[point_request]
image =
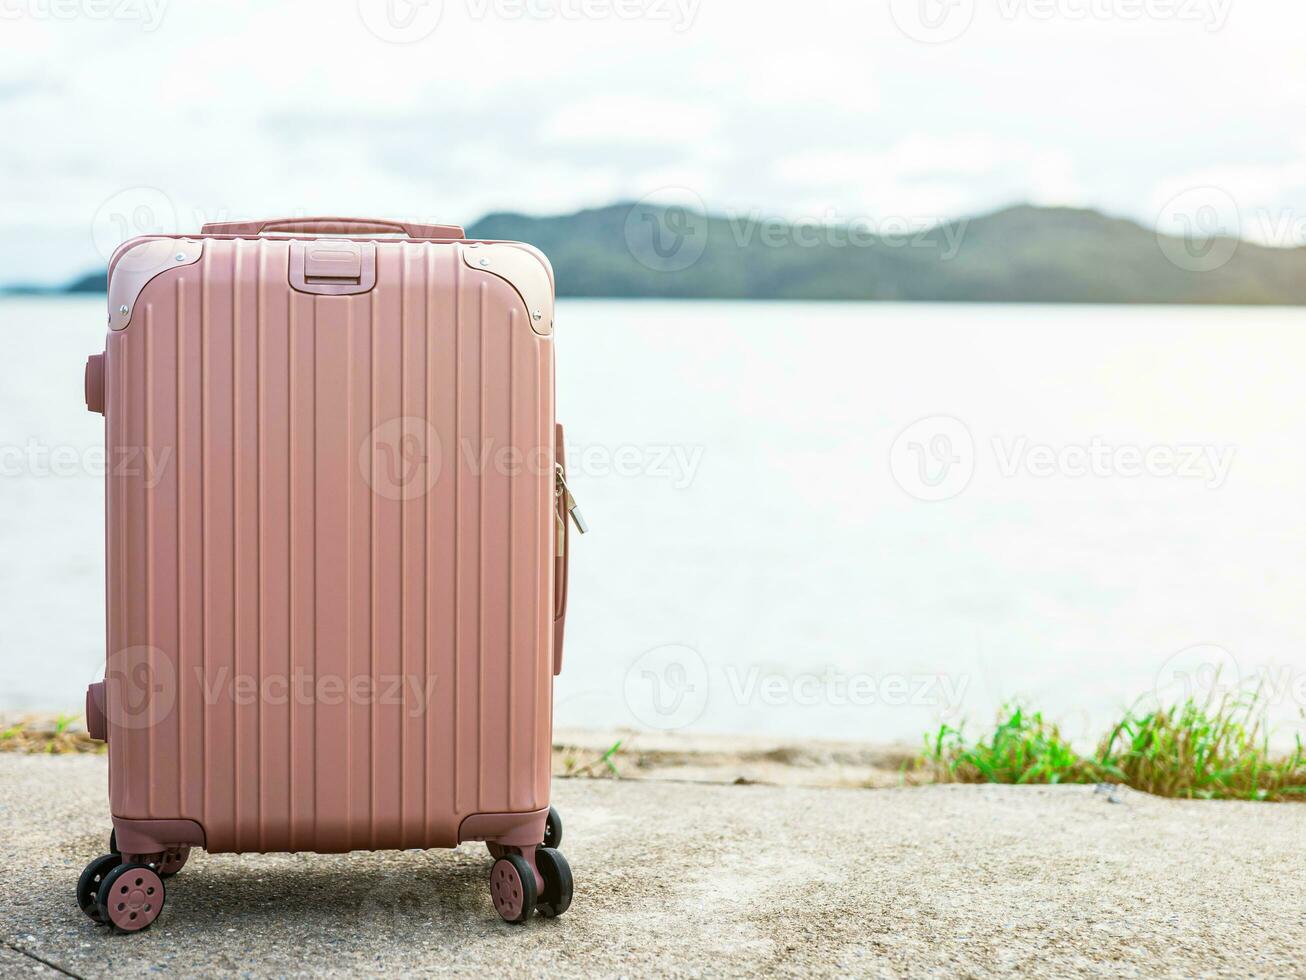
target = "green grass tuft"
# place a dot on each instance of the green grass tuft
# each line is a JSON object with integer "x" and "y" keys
{"x": 56, "y": 736}
{"x": 604, "y": 762}
{"x": 1214, "y": 751}
{"x": 1023, "y": 748}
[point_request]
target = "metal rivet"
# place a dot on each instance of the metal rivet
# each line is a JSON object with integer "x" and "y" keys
{"x": 537, "y": 316}
{"x": 124, "y": 310}
{"x": 180, "y": 256}
{"x": 485, "y": 261}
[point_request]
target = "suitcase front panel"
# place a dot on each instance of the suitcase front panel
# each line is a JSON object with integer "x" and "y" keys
{"x": 330, "y": 569}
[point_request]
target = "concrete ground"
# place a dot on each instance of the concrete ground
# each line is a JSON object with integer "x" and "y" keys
{"x": 682, "y": 879}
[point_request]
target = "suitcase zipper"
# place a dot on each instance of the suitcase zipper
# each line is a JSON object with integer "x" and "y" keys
{"x": 563, "y": 492}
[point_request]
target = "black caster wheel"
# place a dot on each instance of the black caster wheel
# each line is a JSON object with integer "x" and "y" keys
{"x": 174, "y": 861}
{"x": 88, "y": 885}
{"x": 553, "y": 828}
{"x": 131, "y": 897}
{"x": 512, "y": 887}
{"x": 556, "y": 873}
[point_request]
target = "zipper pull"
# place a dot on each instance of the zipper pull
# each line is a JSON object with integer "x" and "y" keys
{"x": 569, "y": 503}
{"x": 559, "y": 518}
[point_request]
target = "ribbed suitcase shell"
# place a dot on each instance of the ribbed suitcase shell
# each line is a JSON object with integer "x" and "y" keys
{"x": 264, "y": 552}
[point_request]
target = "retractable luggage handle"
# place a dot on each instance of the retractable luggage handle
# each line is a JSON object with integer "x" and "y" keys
{"x": 332, "y": 226}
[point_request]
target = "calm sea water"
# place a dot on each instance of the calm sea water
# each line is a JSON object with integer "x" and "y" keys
{"x": 839, "y": 520}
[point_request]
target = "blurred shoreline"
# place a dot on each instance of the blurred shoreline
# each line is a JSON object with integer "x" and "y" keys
{"x": 611, "y": 753}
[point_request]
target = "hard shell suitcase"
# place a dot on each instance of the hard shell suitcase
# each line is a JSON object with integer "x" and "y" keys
{"x": 336, "y": 552}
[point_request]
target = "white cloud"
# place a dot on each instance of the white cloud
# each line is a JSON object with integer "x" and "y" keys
{"x": 934, "y": 177}
{"x": 1053, "y": 181}
{"x": 633, "y": 120}
{"x": 791, "y": 73}
{"x": 1265, "y": 203}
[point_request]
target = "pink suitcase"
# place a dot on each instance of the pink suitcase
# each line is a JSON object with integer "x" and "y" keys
{"x": 336, "y": 556}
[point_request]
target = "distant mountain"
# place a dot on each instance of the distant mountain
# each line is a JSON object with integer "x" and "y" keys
{"x": 92, "y": 282}
{"x": 1018, "y": 255}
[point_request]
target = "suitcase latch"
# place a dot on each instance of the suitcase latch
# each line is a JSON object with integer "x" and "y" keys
{"x": 334, "y": 261}
{"x": 333, "y": 267}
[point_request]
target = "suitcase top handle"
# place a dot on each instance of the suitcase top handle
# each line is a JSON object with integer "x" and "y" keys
{"x": 332, "y": 226}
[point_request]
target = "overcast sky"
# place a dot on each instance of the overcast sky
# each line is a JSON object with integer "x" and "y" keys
{"x": 172, "y": 112}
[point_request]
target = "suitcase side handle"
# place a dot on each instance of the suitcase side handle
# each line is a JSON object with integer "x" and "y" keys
{"x": 332, "y": 226}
